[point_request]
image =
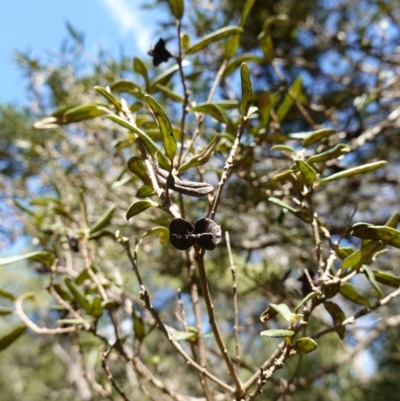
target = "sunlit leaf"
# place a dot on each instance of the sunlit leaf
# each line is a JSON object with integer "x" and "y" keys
{"x": 145, "y": 191}
{"x": 349, "y": 292}
{"x": 247, "y": 91}
{"x": 214, "y": 110}
{"x": 78, "y": 294}
{"x": 371, "y": 278}
{"x": 141, "y": 69}
{"x": 283, "y": 310}
{"x": 277, "y": 333}
{"x": 138, "y": 207}
{"x": 304, "y": 345}
{"x": 103, "y": 221}
{"x": 213, "y": 37}
{"x": 239, "y": 60}
{"x": 330, "y": 154}
{"x": 353, "y": 171}
{"x": 109, "y": 96}
{"x": 311, "y": 295}
{"x": 309, "y": 174}
{"x": 161, "y": 231}
{"x": 136, "y": 166}
{"x": 177, "y": 8}
{"x": 164, "y": 124}
{"x": 169, "y": 93}
{"x": 40, "y": 256}
{"x": 362, "y": 256}
{"x": 317, "y": 136}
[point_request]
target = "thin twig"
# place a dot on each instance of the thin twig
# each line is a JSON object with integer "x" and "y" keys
{"x": 228, "y": 166}
{"x": 235, "y": 300}
{"x": 239, "y": 389}
{"x": 110, "y": 377}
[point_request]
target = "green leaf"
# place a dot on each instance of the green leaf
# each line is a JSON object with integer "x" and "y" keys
{"x": 6, "y": 311}
{"x": 109, "y": 304}
{"x": 11, "y": 335}
{"x": 283, "y": 148}
{"x": 185, "y": 40}
{"x": 317, "y": 136}
{"x": 7, "y": 294}
{"x": 62, "y": 292}
{"x": 40, "y": 256}
{"x": 146, "y": 140}
{"x": 309, "y": 174}
{"x": 177, "y": 8}
{"x": 247, "y": 91}
{"x": 339, "y": 150}
{"x": 268, "y": 314}
{"x": 136, "y": 166}
{"x": 304, "y": 345}
{"x": 311, "y": 295}
{"x": 97, "y": 308}
{"x": 166, "y": 75}
{"x": 213, "y": 37}
{"x": 337, "y": 316}
{"x": 73, "y": 321}
{"x": 161, "y": 231}
{"x": 201, "y": 158}
{"x": 169, "y": 93}
{"x": 243, "y": 58}
{"x": 287, "y": 102}
{"x": 109, "y": 96}
{"x": 128, "y": 87}
{"x": 139, "y": 328}
{"x": 214, "y": 110}
{"x": 145, "y": 191}
{"x": 183, "y": 335}
{"x": 362, "y": 256}
{"x": 388, "y": 235}
{"x": 303, "y": 215}
{"x": 141, "y": 69}
{"x": 277, "y": 333}
{"x": 138, "y": 207}
{"x": 103, "y": 221}
{"x": 267, "y": 46}
{"x": 371, "y": 278}
{"x": 283, "y": 310}
{"x": 105, "y": 232}
{"x": 353, "y": 171}
{"x": 386, "y": 278}
{"x": 78, "y": 295}
{"x": 164, "y": 124}
{"x": 349, "y": 292}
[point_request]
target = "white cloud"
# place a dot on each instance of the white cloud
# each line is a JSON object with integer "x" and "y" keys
{"x": 132, "y": 20}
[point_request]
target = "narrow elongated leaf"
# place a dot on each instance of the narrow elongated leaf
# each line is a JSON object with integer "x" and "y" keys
{"x": 283, "y": 148}
{"x": 311, "y": 295}
{"x": 339, "y": 150}
{"x": 183, "y": 335}
{"x": 213, "y": 37}
{"x": 337, "y": 316}
{"x": 146, "y": 140}
{"x": 138, "y": 207}
{"x": 109, "y": 96}
{"x": 177, "y": 8}
{"x": 136, "y": 166}
{"x": 166, "y": 75}
{"x": 83, "y": 112}
{"x": 283, "y": 310}
{"x": 141, "y": 69}
{"x": 317, "y": 136}
{"x": 365, "y": 168}
{"x": 371, "y": 278}
{"x": 128, "y": 87}
{"x": 309, "y": 174}
{"x": 161, "y": 231}
{"x": 277, "y": 333}
{"x": 388, "y": 235}
{"x": 214, "y": 110}
{"x": 362, "y": 256}
{"x": 247, "y": 91}
{"x": 97, "y": 308}
{"x": 145, "y": 191}
{"x": 78, "y": 295}
{"x": 164, "y": 124}
{"x": 11, "y": 335}
{"x": 7, "y": 294}
{"x": 239, "y": 60}
{"x": 103, "y": 220}
{"x": 349, "y": 292}
{"x": 201, "y": 158}
{"x": 267, "y": 46}
{"x": 303, "y": 215}
{"x": 386, "y": 278}
{"x": 169, "y": 93}
{"x": 287, "y": 102}
{"x": 41, "y": 256}
{"x": 139, "y": 328}
{"x": 304, "y": 345}
{"x": 6, "y": 311}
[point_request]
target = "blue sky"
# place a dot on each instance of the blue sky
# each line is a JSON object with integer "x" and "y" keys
{"x": 37, "y": 25}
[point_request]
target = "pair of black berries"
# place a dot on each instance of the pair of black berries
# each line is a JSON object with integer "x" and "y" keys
{"x": 205, "y": 232}
{"x": 159, "y": 53}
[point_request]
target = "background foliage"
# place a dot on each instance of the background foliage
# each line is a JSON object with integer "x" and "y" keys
{"x": 325, "y": 84}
